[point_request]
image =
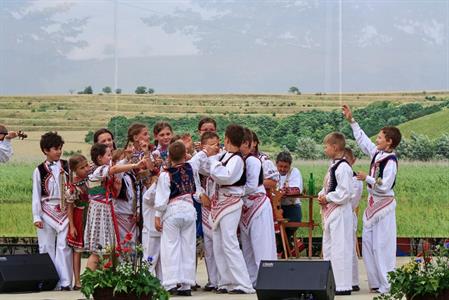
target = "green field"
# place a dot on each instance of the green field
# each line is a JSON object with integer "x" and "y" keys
{"x": 422, "y": 194}
{"x": 90, "y": 112}
{"x": 433, "y": 125}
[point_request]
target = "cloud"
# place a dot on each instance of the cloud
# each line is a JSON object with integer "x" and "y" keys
{"x": 369, "y": 36}
{"x": 432, "y": 32}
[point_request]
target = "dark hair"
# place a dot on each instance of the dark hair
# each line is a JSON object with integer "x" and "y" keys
{"x": 96, "y": 151}
{"x": 247, "y": 136}
{"x": 336, "y": 138}
{"x": 208, "y": 135}
{"x": 100, "y": 132}
{"x": 206, "y": 120}
{"x": 176, "y": 151}
{"x": 51, "y": 139}
{"x": 256, "y": 139}
{"x": 75, "y": 161}
{"x": 134, "y": 129}
{"x": 159, "y": 126}
{"x": 234, "y": 133}
{"x": 284, "y": 156}
{"x": 392, "y": 133}
{"x": 175, "y": 138}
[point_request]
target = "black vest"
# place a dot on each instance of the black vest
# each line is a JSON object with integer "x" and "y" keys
{"x": 122, "y": 195}
{"x": 242, "y": 180}
{"x": 382, "y": 163}
{"x": 332, "y": 184}
{"x": 45, "y": 174}
{"x": 181, "y": 180}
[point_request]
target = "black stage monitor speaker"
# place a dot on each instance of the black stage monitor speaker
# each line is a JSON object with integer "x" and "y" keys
{"x": 289, "y": 279}
{"x": 27, "y": 272}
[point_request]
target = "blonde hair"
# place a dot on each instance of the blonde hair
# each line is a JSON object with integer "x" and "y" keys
{"x": 336, "y": 138}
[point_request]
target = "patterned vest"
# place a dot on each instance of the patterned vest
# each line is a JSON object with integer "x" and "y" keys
{"x": 181, "y": 180}
{"x": 45, "y": 174}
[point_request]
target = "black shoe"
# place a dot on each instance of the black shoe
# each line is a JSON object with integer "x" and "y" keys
{"x": 237, "y": 291}
{"x": 195, "y": 287}
{"x": 173, "y": 291}
{"x": 65, "y": 288}
{"x": 374, "y": 290}
{"x": 342, "y": 293}
{"x": 76, "y": 288}
{"x": 184, "y": 293}
{"x": 355, "y": 288}
{"x": 221, "y": 291}
{"x": 209, "y": 288}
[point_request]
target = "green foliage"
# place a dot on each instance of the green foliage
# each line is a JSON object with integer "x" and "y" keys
{"x": 150, "y": 91}
{"x": 118, "y": 91}
{"x": 140, "y": 90}
{"x": 87, "y": 90}
{"x": 123, "y": 270}
{"x": 442, "y": 146}
{"x": 107, "y": 90}
{"x": 306, "y": 148}
{"x": 418, "y": 147}
{"x": 294, "y": 90}
{"x": 427, "y": 276}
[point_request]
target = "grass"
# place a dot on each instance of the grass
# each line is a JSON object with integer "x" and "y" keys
{"x": 422, "y": 195}
{"x": 433, "y": 125}
{"x": 89, "y": 112}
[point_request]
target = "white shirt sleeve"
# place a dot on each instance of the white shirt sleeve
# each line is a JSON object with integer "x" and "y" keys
{"x": 269, "y": 170}
{"x": 344, "y": 190}
{"x": 365, "y": 144}
{"x": 100, "y": 173}
{"x": 36, "y": 198}
{"x": 5, "y": 150}
{"x": 358, "y": 189}
{"x": 229, "y": 174}
{"x": 295, "y": 179}
{"x": 253, "y": 166}
{"x": 162, "y": 194}
{"x": 200, "y": 162}
{"x": 149, "y": 195}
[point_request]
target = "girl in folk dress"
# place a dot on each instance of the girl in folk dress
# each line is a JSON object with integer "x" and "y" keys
{"x": 78, "y": 200}
{"x": 101, "y": 227}
{"x": 163, "y": 133}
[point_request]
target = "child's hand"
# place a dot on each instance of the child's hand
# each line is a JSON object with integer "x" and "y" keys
{"x": 141, "y": 164}
{"x": 73, "y": 231}
{"x": 158, "y": 224}
{"x": 347, "y": 113}
{"x": 197, "y": 146}
{"x": 211, "y": 149}
{"x": 39, "y": 224}
{"x": 361, "y": 176}
{"x": 322, "y": 200}
{"x": 205, "y": 200}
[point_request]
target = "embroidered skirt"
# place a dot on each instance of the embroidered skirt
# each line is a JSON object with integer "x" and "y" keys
{"x": 99, "y": 230}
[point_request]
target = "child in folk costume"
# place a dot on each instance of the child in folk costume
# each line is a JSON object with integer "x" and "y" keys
{"x": 358, "y": 189}
{"x": 201, "y": 162}
{"x": 125, "y": 204}
{"x": 256, "y": 224}
{"x": 101, "y": 228}
{"x": 78, "y": 201}
{"x": 379, "y": 218}
{"x": 270, "y": 172}
{"x": 6, "y": 136}
{"x": 163, "y": 133}
{"x": 175, "y": 217}
{"x": 335, "y": 200}
{"x": 228, "y": 172}
{"x": 49, "y": 211}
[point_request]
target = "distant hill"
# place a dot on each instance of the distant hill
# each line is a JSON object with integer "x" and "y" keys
{"x": 433, "y": 125}
{"x": 89, "y": 112}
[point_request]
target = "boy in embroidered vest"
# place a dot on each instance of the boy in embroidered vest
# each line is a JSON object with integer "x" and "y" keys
{"x": 200, "y": 161}
{"x": 379, "y": 218}
{"x": 335, "y": 200}
{"x": 256, "y": 224}
{"x": 228, "y": 173}
{"x": 175, "y": 217}
{"x": 355, "y": 200}
{"x": 49, "y": 211}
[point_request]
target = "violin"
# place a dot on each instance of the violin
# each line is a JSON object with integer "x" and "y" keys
{"x": 21, "y": 135}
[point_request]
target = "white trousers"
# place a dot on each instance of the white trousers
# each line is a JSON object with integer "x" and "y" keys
{"x": 355, "y": 259}
{"x": 228, "y": 256}
{"x": 211, "y": 265}
{"x": 55, "y": 244}
{"x": 152, "y": 248}
{"x": 178, "y": 252}
{"x": 379, "y": 251}
{"x": 259, "y": 242}
{"x": 338, "y": 246}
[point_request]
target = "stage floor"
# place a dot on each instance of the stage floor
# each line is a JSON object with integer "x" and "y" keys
{"x": 200, "y": 295}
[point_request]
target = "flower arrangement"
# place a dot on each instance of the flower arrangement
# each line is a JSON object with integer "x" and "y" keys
{"x": 426, "y": 277}
{"x": 122, "y": 274}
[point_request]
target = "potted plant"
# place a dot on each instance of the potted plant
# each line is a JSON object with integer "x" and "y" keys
{"x": 424, "y": 278}
{"x": 122, "y": 274}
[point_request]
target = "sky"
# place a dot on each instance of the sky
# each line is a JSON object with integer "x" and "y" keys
{"x": 217, "y": 46}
